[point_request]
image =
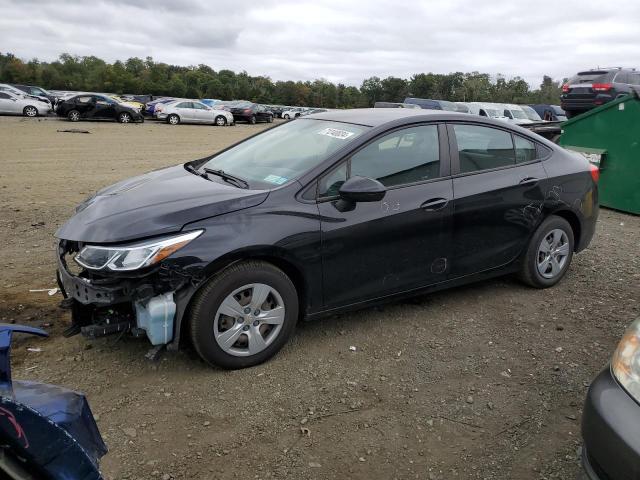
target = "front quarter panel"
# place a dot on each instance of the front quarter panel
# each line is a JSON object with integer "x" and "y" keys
{"x": 282, "y": 230}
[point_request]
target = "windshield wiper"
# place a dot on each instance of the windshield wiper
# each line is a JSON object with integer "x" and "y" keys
{"x": 194, "y": 170}
{"x": 237, "y": 181}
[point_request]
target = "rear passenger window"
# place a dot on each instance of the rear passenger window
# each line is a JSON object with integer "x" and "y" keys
{"x": 525, "y": 150}
{"x": 483, "y": 148}
{"x": 405, "y": 156}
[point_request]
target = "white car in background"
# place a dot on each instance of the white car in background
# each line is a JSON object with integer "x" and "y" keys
{"x": 189, "y": 111}
{"x": 515, "y": 114}
{"x": 13, "y": 104}
{"x": 293, "y": 112}
{"x": 486, "y": 110}
{"x": 531, "y": 113}
{"x": 43, "y": 103}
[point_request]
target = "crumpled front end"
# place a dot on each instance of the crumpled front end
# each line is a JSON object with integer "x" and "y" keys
{"x": 145, "y": 302}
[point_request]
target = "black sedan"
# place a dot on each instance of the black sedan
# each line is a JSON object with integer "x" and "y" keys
{"x": 610, "y": 425}
{"x": 333, "y": 212}
{"x": 251, "y": 112}
{"x": 97, "y": 107}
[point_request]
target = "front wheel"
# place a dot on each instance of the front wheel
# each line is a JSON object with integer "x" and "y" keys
{"x": 549, "y": 253}
{"x": 221, "y": 121}
{"x": 252, "y": 120}
{"x": 30, "y": 111}
{"x": 286, "y": 116}
{"x": 124, "y": 117}
{"x": 244, "y": 315}
{"x": 73, "y": 116}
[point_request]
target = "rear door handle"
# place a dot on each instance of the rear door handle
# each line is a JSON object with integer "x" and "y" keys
{"x": 529, "y": 181}
{"x": 434, "y": 204}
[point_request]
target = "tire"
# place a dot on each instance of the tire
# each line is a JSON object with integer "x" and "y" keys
{"x": 220, "y": 121}
{"x": 125, "y": 117}
{"x": 73, "y": 115}
{"x": 173, "y": 119}
{"x": 234, "y": 287}
{"x": 270, "y": 119}
{"x": 30, "y": 111}
{"x": 543, "y": 270}
{"x": 286, "y": 116}
{"x": 252, "y": 120}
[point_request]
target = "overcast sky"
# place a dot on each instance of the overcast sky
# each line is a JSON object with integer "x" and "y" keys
{"x": 342, "y": 41}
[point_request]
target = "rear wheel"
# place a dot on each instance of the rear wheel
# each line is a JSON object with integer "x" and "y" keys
{"x": 549, "y": 253}
{"x": 270, "y": 119}
{"x": 73, "y": 115}
{"x": 221, "y": 121}
{"x": 252, "y": 120}
{"x": 30, "y": 111}
{"x": 244, "y": 315}
{"x": 173, "y": 119}
{"x": 124, "y": 117}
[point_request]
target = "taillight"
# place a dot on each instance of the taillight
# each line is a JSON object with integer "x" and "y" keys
{"x": 247, "y": 110}
{"x": 595, "y": 173}
{"x": 565, "y": 88}
{"x": 601, "y": 87}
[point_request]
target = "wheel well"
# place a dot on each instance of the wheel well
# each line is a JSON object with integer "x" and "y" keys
{"x": 287, "y": 267}
{"x": 573, "y": 220}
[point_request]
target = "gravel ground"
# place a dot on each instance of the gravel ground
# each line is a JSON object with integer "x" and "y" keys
{"x": 484, "y": 381}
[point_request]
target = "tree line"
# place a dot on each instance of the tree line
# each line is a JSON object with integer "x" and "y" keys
{"x": 138, "y": 76}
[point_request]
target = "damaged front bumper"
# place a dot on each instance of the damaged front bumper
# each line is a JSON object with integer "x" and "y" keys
{"x": 148, "y": 303}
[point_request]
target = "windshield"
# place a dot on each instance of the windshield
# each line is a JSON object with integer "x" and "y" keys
{"x": 492, "y": 113}
{"x": 517, "y": 113}
{"x": 448, "y": 106}
{"x": 558, "y": 110}
{"x": 531, "y": 113}
{"x": 283, "y": 153}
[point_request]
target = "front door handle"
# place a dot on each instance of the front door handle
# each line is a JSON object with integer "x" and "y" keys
{"x": 529, "y": 181}
{"x": 434, "y": 204}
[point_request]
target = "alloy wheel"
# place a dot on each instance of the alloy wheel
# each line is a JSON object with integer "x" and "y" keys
{"x": 125, "y": 118}
{"x": 553, "y": 253}
{"x": 30, "y": 111}
{"x": 249, "y": 319}
{"x": 220, "y": 121}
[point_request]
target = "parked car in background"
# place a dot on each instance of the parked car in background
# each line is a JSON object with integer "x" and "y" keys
{"x": 277, "y": 110}
{"x": 514, "y": 113}
{"x": 300, "y": 222}
{"x": 210, "y": 102}
{"x": 488, "y": 110}
{"x": 149, "y": 108}
{"x": 550, "y": 113}
{"x": 12, "y": 104}
{"x": 461, "y": 107}
{"x": 593, "y": 88}
{"x": 42, "y": 101}
{"x": 37, "y": 91}
{"x": 530, "y": 113}
{"x": 611, "y": 415}
{"x": 312, "y": 110}
{"x": 129, "y": 103}
{"x": 251, "y": 112}
{"x": 183, "y": 111}
{"x": 395, "y": 105}
{"x": 430, "y": 104}
{"x": 97, "y": 107}
{"x": 293, "y": 112}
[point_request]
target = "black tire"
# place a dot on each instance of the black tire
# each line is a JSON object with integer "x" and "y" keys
{"x": 173, "y": 119}
{"x": 125, "y": 117}
{"x": 286, "y": 117}
{"x": 208, "y": 299}
{"x": 252, "y": 120}
{"x": 220, "y": 121}
{"x": 30, "y": 111}
{"x": 529, "y": 272}
{"x": 270, "y": 119}
{"x": 73, "y": 115}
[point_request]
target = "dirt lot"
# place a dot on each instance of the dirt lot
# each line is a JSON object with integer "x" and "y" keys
{"x": 485, "y": 381}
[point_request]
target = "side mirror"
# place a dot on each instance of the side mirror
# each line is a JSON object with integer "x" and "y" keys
{"x": 362, "y": 189}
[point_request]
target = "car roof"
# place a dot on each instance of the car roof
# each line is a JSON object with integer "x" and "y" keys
{"x": 372, "y": 117}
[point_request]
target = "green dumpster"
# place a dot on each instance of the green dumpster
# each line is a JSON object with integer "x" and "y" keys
{"x": 609, "y": 136}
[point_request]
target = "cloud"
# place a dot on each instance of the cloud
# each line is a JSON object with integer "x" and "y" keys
{"x": 340, "y": 41}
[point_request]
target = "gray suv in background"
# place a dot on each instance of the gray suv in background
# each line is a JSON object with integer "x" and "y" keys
{"x": 593, "y": 88}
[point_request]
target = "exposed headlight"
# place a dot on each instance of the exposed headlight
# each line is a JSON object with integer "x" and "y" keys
{"x": 625, "y": 363}
{"x": 134, "y": 255}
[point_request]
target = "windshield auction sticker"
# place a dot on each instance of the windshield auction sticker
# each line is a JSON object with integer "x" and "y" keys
{"x": 278, "y": 180}
{"x": 336, "y": 133}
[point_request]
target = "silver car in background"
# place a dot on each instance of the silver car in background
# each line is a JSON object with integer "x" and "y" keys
{"x": 14, "y": 104}
{"x": 43, "y": 103}
{"x": 187, "y": 111}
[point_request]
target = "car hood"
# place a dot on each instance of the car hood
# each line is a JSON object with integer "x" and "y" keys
{"x": 156, "y": 203}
